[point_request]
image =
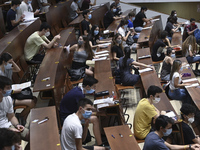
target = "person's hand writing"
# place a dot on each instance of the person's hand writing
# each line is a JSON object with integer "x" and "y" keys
{"x": 57, "y": 37}
{"x": 19, "y": 127}
{"x": 195, "y": 147}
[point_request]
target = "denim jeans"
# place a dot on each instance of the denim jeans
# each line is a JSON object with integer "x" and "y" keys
{"x": 138, "y": 29}
{"x": 180, "y": 94}
{"x": 166, "y": 78}
{"x": 193, "y": 59}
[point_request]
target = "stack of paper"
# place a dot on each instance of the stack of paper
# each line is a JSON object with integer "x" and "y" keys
{"x": 102, "y": 55}
{"x": 147, "y": 28}
{"x": 101, "y": 106}
{"x": 101, "y": 52}
{"x": 98, "y": 59}
{"x": 192, "y": 85}
{"x": 172, "y": 115}
{"x": 105, "y": 100}
{"x": 21, "y": 86}
{"x": 189, "y": 80}
{"x": 29, "y": 16}
{"x": 145, "y": 70}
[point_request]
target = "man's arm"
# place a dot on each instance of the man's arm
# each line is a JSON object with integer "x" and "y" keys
{"x": 50, "y": 44}
{"x": 180, "y": 147}
{"x": 14, "y": 22}
{"x": 79, "y": 144}
{"x": 85, "y": 131}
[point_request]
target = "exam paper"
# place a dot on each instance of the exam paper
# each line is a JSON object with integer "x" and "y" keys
{"x": 189, "y": 80}
{"x": 98, "y": 59}
{"x": 29, "y": 16}
{"x": 21, "y": 86}
{"x": 106, "y": 100}
{"x": 101, "y": 52}
{"x": 102, "y": 105}
{"x": 145, "y": 70}
{"x": 146, "y": 56}
{"x": 147, "y": 28}
{"x": 192, "y": 85}
{"x": 67, "y": 48}
{"x": 102, "y": 55}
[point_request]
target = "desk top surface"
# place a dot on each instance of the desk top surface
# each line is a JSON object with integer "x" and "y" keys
{"x": 45, "y": 135}
{"x": 176, "y": 39}
{"x": 121, "y": 137}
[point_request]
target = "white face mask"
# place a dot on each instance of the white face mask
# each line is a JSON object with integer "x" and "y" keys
{"x": 175, "y": 14}
{"x": 47, "y": 34}
{"x": 191, "y": 120}
{"x": 156, "y": 100}
{"x": 8, "y": 66}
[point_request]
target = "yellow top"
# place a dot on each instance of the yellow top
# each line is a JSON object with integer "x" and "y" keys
{"x": 143, "y": 117}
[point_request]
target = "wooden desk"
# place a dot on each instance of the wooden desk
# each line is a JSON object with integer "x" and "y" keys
{"x": 44, "y": 136}
{"x": 116, "y": 142}
{"x": 177, "y": 40}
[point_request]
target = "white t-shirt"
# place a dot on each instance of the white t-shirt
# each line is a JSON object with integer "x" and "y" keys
{"x": 6, "y": 106}
{"x": 121, "y": 31}
{"x": 22, "y": 8}
{"x": 175, "y": 75}
{"x": 74, "y": 8}
{"x": 72, "y": 129}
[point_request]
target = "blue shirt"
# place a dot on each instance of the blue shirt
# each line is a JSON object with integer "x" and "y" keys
{"x": 11, "y": 15}
{"x": 130, "y": 24}
{"x": 69, "y": 103}
{"x": 154, "y": 142}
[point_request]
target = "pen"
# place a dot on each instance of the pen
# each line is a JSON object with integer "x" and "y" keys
{"x": 113, "y": 136}
{"x": 44, "y": 120}
{"x": 121, "y": 135}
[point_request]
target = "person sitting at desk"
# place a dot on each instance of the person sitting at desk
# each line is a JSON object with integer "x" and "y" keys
{"x": 125, "y": 66}
{"x": 131, "y": 17}
{"x": 82, "y": 53}
{"x": 189, "y": 50}
{"x": 191, "y": 27}
{"x": 140, "y": 18}
{"x": 35, "y": 41}
{"x": 69, "y": 103}
{"x": 74, "y": 10}
{"x": 7, "y": 67}
{"x": 11, "y": 15}
{"x": 85, "y": 24}
{"x": 9, "y": 140}
{"x": 73, "y": 134}
{"x": 173, "y": 13}
{"x": 176, "y": 87}
{"x": 154, "y": 141}
{"x": 118, "y": 7}
{"x": 145, "y": 111}
{"x": 44, "y": 6}
{"x": 8, "y": 119}
{"x": 94, "y": 37}
{"x": 86, "y": 4}
{"x": 166, "y": 66}
{"x": 109, "y": 16}
{"x": 170, "y": 28}
{"x": 158, "y": 51}
{"x": 188, "y": 114}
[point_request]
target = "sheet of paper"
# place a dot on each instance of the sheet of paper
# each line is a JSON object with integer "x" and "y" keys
{"x": 147, "y": 28}
{"x": 189, "y": 80}
{"x": 29, "y": 16}
{"x": 67, "y": 48}
{"x": 104, "y": 44}
{"x": 102, "y": 55}
{"x": 101, "y": 52}
{"x": 106, "y": 100}
{"x": 155, "y": 19}
{"x": 145, "y": 70}
{"x": 98, "y": 59}
{"x": 102, "y": 105}
{"x": 192, "y": 85}
{"x": 170, "y": 114}
{"x": 21, "y": 86}
{"x": 146, "y": 56}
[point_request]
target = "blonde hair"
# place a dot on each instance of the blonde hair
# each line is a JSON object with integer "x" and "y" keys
{"x": 190, "y": 40}
{"x": 175, "y": 67}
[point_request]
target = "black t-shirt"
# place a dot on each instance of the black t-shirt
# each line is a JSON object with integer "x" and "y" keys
{"x": 187, "y": 133}
{"x": 93, "y": 39}
{"x": 108, "y": 18}
{"x": 169, "y": 28}
{"x": 85, "y": 5}
{"x": 117, "y": 50}
{"x": 138, "y": 22}
{"x": 11, "y": 15}
{"x": 85, "y": 26}
{"x": 159, "y": 43}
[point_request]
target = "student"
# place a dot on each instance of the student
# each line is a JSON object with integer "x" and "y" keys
{"x": 86, "y": 25}
{"x": 170, "y": 27}
{"x": 154, "y": 141}
{"x": 7, "y": 67}
{"x": 140, "y": 18}
{"x": 69, "y": 103}
{"x": 72, "y": 133}
{"x": 8, "y": 119}
{"x": 146, "y": 112}
{"x": 189, "y": 50}
{"x": 74, "y": 10}
{"x": 173, "y": 13}
{"x": 166, "y": 66}
{"x": 35, "y": 41}
{"x": 9, "y": 140}
{"x": 131, "y": 17}
{"x": 118, "y": 7}
{"x": 94, "y": 37}
{"x": 44, "y": 6}
{"x": 176, "y": 87}
{"x": 191, "y": 27}
{"x": 188, "y": 114}
{"x": 109, "y": 16}
{"x": 86, "y": 4}
{"x": 125, "y": 67}
{"x": 11, "y": 15}
{"x": 158, "y": 52}
{"x": 82, "y": 53}
{"x": 26, "y": 6}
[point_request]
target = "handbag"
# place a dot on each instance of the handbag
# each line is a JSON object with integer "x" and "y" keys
{"x": 24, "y": 94}
{"x": 77, "y": 74}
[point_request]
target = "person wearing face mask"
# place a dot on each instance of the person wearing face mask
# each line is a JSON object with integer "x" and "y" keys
{"x": 188, "y": 114}
{"x": 145, "y": 111}
{"x": 11, "y": 15}
{"x": 118, "y": 7}
{"x": 173, "y": 13}
{"x": 85, "y": 24}
{"x": 74, "y": 10}
{"x": 192, "y": 27}
{"x": 35, "y": 41}
{"x": 163, "y": 126}
{"x": 86, "y": 4}
{"x": 140, "y": 18}
{"x": 131, "y": 16}
{"x": 73, "y": 134}
{"x": 176, "y": 87}
{"x": 8, "y": 119}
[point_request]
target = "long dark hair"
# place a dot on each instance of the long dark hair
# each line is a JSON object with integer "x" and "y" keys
{"x": 175, "y": 67}
{"x": 114, "y": 40}
{"x": 91, "y": 33}
{"x": 127, "y": 53}
{"x": 5, "y": 57}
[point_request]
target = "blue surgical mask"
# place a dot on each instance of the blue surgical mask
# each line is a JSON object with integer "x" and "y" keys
{"x": 114, "y": 10}
{"x": 96, "y": 32}
{"x": 8, "y": 66}
{"x": 17, "y": 8}
{"x": 90, "y": 91}
{"x": 133, "y": 18}
{"x": 125, "y": 26}
{"x": 29, "y": 2}
{"x": 8, "y": 93}
{"x": 168, "y": 132}
{"x": 79, "y": 1}
{"x": 90, "y": 16}
{"x": 181, "y": 69}
{"x": 87, "y": 114}
{"x": 173, "y": 55}
{"x": 80, "y": 42}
